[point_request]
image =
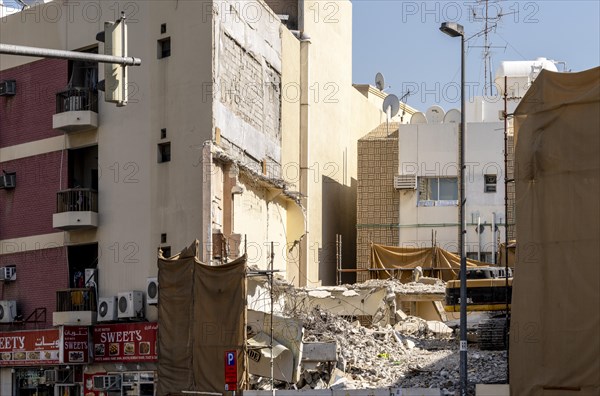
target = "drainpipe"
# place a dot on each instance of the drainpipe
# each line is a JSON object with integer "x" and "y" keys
{"x": 304, "y": 153}
{"x": 479, "y": 237}
{"x": 494, "y": 247}
{"x": 207, "y": 196}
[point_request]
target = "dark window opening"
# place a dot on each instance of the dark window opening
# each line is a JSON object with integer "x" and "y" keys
{"x": 164, "y": 152}
{"x": 164, "y": 48}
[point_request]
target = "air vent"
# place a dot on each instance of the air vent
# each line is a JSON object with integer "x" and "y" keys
{"x": 405, "y": 182}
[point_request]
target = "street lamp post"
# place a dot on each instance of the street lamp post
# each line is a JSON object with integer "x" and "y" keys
{"x": 454, "y": 29}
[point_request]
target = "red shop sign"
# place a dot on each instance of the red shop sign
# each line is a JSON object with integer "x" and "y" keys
{"x": 75, "y": 345}
{"x": 29, "y": 348}
{"x": 125, "y": 342}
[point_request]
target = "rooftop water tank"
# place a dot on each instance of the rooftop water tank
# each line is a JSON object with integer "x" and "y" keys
{"x": 520, "y": 75}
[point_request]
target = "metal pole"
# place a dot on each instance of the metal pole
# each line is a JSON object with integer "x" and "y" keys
{"x": 11, "y": 49}
{"x": 271, "y": 343}
{"x": 506, "y": 180}
{"x": 461, "y": 220}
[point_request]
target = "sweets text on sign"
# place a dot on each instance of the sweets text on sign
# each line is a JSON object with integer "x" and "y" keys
{"x": 121, "y": 336}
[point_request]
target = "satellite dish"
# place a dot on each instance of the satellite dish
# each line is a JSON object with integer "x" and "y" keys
{"x": 418, "y": 118}
{"x": 452, "y": 116}
{"x": 435, "y": 114}
{"x": 379, "y": 81}
{"x": 392, "y": 103}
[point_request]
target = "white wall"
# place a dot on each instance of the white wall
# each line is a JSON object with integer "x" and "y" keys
{"x": 431, "y": 150}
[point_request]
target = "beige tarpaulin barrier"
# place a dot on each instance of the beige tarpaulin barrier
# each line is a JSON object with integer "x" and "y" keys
{"x": 201, "y": 314}
{"x": 396, "y": 262}
{"x": 555, "y": 326}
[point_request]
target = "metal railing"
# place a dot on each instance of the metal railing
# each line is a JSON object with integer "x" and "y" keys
{"x": 77, "y": 99}
{"x": 76, "y": 300}
{"x": 77, "y": 200}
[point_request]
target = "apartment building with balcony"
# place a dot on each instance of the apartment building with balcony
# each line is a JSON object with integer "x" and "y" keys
{"x": 239, "y": 131}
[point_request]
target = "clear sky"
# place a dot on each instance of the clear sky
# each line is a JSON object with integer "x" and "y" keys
{"x": 401, "y": 39}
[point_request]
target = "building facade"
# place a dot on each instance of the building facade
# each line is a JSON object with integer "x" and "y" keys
{"x": 239, "y": 131}
{"x": 408, "y": 175}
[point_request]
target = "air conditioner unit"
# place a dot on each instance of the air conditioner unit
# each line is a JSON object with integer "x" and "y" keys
{"x": 107, "y": 309}
{"x": 131, "y": 304}
{"x": 152, "y": 291}
{"x": 8, "y": 311}
{"x": 107, "y": 382}
{"x": 8, "y": 87}
{"x": 8, "y": 180}
{"x": 8, "y": 274}
{"x": 405, "y": 182}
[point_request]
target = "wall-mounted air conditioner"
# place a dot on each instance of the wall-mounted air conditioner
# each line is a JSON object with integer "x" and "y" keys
{"x": 405, "y": 182}
{"x": 8, "y": 87}
{"x": 107, "y": 309}
{"x": 152, "y": 291}
{"x": 8, "y": 274}
{"x": 107, "y": 382}
{"x": 130, "y": 304}
{"x": 8, "y": 180}
{"x": 8, "y": 311}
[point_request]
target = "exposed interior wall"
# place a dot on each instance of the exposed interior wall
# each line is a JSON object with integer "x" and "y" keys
{"x": 260, "y": 218}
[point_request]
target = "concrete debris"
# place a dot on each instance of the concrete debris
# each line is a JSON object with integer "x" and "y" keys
{"x": 413, "y": 353}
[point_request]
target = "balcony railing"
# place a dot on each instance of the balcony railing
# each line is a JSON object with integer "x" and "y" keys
{"x": 77, "y": 200}
{"x": 76, "y": 300}
{"x": 77, "y": 99}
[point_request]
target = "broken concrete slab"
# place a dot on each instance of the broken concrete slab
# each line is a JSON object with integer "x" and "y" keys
{"x": 438, "y": 328}
{"x": 259, "y": 358}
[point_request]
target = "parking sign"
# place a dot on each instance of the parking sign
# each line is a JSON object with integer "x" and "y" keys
{"x": 231, "y": 376}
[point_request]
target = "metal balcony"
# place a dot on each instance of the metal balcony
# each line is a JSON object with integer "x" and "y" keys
{"x": 76, "y": 208}
{"x": 76, "y": 110}
{"x": 75, "y": 307}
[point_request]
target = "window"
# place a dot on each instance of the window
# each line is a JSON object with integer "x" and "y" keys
{"x": 490, "y": 183}
{"x": 163, "y": 133}
{"x": 438, "y": 191}
{"x": 164, "y": 152}
{"x": 164, "y": 48}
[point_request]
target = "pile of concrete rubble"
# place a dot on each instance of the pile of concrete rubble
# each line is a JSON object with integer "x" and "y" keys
{"x": 411, "y": 353}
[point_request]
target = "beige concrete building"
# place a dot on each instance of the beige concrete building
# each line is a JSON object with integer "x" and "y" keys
{"x": 239, "y": 131}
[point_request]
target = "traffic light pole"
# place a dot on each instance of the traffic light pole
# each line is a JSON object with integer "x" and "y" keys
{"x": 10, "y": 49}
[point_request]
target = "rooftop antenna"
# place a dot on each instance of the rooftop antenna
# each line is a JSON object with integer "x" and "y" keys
{"x": 391, "y": 105}
{"x": 490, "y": 24}
{"x": 402, "y": 99}
{"x": 379, "y": 81}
